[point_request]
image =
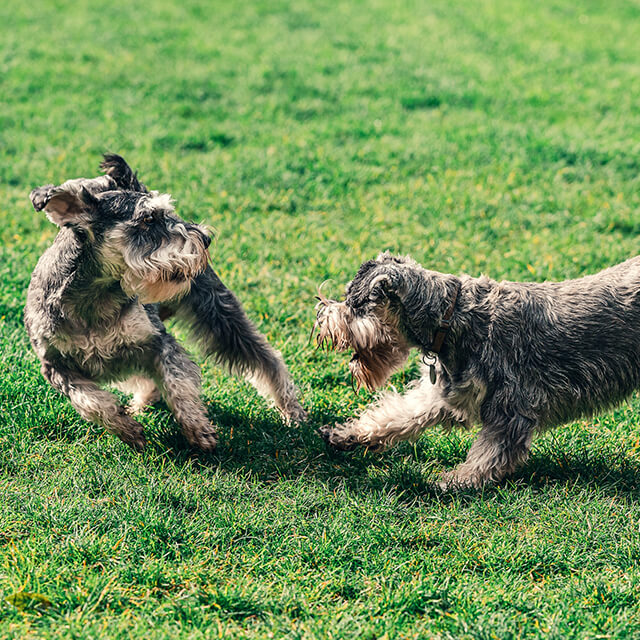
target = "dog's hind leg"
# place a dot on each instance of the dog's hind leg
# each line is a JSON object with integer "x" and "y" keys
{"x": 394, "y": 418}
{"x": 95, "y": 405}
{"x": 216, "y": 319}
{"x": 178, "y": 379}
{"x": 502, "y": 445}
{"x": 144, "y": 390}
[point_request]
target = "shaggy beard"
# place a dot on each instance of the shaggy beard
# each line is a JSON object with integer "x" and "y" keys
{"x": 379, "y": 348}
{"x": 155, "y": 288}
{"x": 372, "y": 368}
{"x": 166, "y": 274}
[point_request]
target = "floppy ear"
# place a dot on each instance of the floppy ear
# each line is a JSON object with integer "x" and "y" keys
{"x": 63, "y": 206}
{"x": 387, "y": 283}
{"x": 380, "y": 287}
{"x": 40, "y": 196}
{"x": 381, "y": 282}
{"x": 116, "y": 167}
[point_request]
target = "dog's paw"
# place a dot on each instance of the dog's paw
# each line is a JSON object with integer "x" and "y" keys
{"x": 135, "y": 408}
{"x": 453, "y": 481}
{"x": 140, "y": 403}
{"x": 135, "y": 439}
{"x": 128, "y": 430}
{"x": 203, "y": 439}
{"x": 337, "y": 440}
{"x": 295, "y": 415}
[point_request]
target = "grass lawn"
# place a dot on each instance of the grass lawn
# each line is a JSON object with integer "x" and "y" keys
{"x": 498, "y": 137}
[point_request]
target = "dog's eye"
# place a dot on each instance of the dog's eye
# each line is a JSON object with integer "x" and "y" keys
{"x": 148, "y": 219}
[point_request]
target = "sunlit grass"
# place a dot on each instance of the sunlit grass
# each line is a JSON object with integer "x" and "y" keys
{"x": 493, "y": 137}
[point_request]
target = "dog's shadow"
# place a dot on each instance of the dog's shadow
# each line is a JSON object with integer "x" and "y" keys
{"x": 257, "y": 441}
{"x": 254, "y": 439}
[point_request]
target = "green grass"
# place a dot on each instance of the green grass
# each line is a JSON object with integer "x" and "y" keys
{"x": 496, "y": 137}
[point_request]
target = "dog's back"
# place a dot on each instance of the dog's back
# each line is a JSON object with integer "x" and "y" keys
{"x": 574, "y": 345}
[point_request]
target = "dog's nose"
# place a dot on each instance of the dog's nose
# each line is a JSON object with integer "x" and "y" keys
{"x": 207, "y": 240}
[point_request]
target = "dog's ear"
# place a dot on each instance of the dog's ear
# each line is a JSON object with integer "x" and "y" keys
{"x": 40, "y": 196}
{"x": 63, "y": 205}
{"x": 388, "y": 283}
{"x": 382, "y": 285}
{"x": 116, "y": 167}
{"x": 379, "y": 286}
{"x": 373, "y": 283}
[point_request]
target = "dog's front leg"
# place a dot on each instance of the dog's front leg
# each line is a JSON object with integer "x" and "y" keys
{"x": 95, "y": 405}
{"x": 178, "y": 379}
{"x": 218, "y": 322}
{"x": 394, "y": 418}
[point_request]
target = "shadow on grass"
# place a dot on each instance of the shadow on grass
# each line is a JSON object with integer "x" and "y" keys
{"x": 255, "y": 441}
{"x": 271, "y": 451}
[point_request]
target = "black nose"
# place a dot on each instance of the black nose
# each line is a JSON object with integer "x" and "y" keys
{"x": 207, "y": 240}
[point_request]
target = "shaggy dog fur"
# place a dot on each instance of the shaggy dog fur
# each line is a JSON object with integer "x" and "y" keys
{"x": 517, "y": 358}
{"x": 93, "y": 316}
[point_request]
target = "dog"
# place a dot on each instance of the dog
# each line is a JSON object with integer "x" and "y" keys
{"x": 515, "y": 358}
{"x": 121, "y": 263}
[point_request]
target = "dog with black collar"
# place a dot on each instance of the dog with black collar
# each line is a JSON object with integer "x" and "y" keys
{"x": 512, "y": 357}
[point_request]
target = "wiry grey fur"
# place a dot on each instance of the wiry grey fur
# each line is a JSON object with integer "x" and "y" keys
{"x": 121, "y": 260}
{"x": 518, "y": 358}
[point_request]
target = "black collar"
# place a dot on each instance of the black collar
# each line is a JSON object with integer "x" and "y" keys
{"x": 441, "y": 332}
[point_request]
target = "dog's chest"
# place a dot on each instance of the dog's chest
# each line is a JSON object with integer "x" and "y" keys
{"x": 90, "y": 345}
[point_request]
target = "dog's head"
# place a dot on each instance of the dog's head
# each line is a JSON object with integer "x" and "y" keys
{"x": 135, "y": 234}
{"x": 369, "y": 321}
